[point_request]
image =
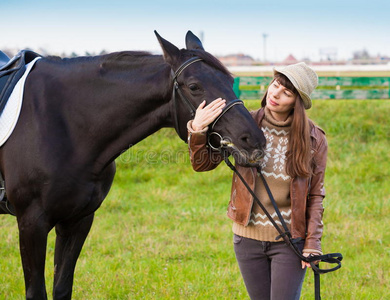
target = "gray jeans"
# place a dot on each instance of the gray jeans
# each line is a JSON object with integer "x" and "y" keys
{"x": 271, "y": 270}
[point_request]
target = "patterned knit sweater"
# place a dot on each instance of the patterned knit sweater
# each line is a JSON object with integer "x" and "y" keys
{"x": 274, "y": 170}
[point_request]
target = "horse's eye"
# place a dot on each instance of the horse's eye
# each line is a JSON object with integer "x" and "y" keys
{"x": 193, "y": 87}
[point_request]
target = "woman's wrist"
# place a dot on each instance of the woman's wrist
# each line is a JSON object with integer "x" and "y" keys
{"x": 192, "y": 128}
{"x": 197, "y": 127}
{"x": 312, "y": 251}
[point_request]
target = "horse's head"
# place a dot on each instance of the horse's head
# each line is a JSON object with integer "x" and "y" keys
{"x": 196, "y": 76}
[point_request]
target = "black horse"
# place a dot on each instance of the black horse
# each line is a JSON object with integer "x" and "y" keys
{"x": 80, "y": 114}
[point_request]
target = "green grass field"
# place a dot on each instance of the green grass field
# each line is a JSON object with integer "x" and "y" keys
{"x": 163, "y": 233}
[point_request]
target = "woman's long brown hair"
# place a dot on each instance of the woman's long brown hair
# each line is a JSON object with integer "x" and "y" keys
{"x": 298, "y": 155}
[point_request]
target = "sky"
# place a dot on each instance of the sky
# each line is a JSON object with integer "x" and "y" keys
{"x": 306, "y": 29}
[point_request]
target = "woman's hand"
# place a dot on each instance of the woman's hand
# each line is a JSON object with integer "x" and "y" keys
{"x": 206, "y": 115}
{"x": 307, "y": 264}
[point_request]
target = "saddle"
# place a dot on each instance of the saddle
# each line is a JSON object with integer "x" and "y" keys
{"x": 10, "y": 72}
{"x": 3, "y": 59}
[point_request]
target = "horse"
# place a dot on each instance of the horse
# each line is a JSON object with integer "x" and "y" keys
{"x": 78, "y": 115}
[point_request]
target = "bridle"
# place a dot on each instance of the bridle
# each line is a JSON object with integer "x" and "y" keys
{"x": 191, "y": 108}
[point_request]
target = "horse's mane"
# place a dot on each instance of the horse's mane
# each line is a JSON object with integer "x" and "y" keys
{"x": 131, "y": 55}
{"x": 125, "y": 55}
{"x": 125, "y": 59}
{"x": 111, "y": 57}
{"x": 142, "y": 56}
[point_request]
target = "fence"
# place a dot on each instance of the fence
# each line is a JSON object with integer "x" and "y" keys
{"x": 328, "y": 87}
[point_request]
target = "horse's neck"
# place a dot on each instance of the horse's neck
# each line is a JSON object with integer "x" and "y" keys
{"x": 138, "y": 103}
{"x": 124, "y": 107}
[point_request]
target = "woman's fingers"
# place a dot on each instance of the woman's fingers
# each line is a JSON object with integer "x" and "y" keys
{"x": 207, "y": 114}
{"x": 213, "y": 110}
{"x": 219, "y": 102}
{"x": 215, "y": 106}
{"x": 202, "y": 104}
{"x": 307, "y": 264}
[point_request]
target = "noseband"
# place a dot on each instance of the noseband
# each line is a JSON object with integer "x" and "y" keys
{"x": 191, "y": 108}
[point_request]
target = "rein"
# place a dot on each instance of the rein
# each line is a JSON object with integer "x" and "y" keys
{"x": 332, "y": 258}
{"x": 191, "y": 108}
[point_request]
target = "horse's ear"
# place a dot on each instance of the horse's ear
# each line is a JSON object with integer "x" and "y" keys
{"x": 170, "y": 51}
{"x": 193, "y": 42}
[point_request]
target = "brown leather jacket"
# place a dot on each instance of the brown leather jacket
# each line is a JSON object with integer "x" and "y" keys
{"x": 306, "y": 205}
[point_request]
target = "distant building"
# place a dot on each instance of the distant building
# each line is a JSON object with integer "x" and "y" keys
{"x": 289, "y": 60}
{"x": 236, "y": 60}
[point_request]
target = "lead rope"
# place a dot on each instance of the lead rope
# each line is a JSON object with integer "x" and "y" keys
{"x": 332, "y": 258}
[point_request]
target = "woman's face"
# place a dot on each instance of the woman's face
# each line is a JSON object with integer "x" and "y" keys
{"x": 280, "y": 101}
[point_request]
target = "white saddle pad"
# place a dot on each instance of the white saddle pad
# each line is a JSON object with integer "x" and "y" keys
{"x": 11, "y": 112}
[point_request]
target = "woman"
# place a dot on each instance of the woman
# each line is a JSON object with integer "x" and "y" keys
{"x": 294, "y": 167}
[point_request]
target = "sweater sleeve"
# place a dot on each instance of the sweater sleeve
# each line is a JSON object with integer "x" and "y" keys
{"x": 203, "y": 158}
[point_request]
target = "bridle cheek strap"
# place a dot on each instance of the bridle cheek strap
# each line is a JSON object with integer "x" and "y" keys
{"x": 176, "y": 88}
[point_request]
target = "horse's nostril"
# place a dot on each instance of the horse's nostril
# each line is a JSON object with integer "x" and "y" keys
{"x": 245, "y": 138}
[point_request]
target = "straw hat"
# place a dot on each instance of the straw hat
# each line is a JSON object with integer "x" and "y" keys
{"x": 303, "y": 78}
